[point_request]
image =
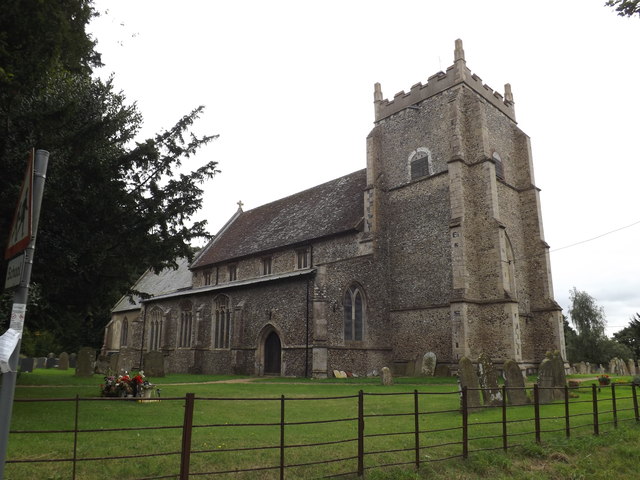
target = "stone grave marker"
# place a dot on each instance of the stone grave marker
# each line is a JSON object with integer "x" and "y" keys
{"x": 559, "y": 376}
{"x": 428, "y": 364}
{"x": 41, "y": 362}
{"x": 546, "y": 392}
{"x": 73, "y": 360}
{"x": 27, "y": 364}
{"x": 488, "y": 378}
{"x": 582, "y": 369}
{"x": 385, "y": 376}
{"x": 51, "y": 362}
{"x": 63, "y": 361}
{"x": 514, "y": 381}
{"x": 631, "y": 366}
{"x": 467, "y": 377}
{"x": 114, "y": 363}
{"x": 154, "y": 364}
{"x": 86, "y": 362}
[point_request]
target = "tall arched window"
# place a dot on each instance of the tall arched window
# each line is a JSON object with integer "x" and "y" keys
{"x": 222, "y": 322}
{"x": 354, "y": 314}
{"x": 186, "y": 325}
{"x": 155, "y": 330}
{"x": 499, "y": 167}
{"x": 420, "y": 163}
{"x": 124, "y": 334}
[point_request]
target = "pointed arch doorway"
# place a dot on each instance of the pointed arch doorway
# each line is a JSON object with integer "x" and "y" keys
{"x": 272, "y": 354}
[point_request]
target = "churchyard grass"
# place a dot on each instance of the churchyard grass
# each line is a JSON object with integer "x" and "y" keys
{"x": 109, "y": 414}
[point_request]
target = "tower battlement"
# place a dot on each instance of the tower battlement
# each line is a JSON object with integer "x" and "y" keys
{"x": 456, "y": 74}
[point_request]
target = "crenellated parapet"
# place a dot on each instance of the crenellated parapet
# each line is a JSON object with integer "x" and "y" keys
{"x": 456, "y": 74}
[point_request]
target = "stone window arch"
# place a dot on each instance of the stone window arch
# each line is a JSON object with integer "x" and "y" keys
{"x": 186, "y": 325}
{"x": 124, "y": 333}
{"x": 420, "y": 163}
{"x": 156, "y": 329}
{"x": 354, "y": 304}
{"x": 221, "y": 322}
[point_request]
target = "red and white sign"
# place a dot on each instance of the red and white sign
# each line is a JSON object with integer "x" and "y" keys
{"x": 21, "y": 228}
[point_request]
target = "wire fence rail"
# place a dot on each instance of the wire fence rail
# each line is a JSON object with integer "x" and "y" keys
{"x": 383, "y": 430}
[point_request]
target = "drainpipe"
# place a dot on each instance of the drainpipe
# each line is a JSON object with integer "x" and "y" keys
{"x": 306, "y": 351}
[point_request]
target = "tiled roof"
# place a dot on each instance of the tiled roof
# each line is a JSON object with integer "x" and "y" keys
{"x": 328, "y": 209}
{"x": 154, "y": 284}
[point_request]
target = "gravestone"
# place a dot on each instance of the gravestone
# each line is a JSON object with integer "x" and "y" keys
{"x": 102, "y": 364}
{"x": 114, "y": 361}
{"x": 631, "y": 366}
{"x": 488, "y": 378}
{"x": 428, "y": 364}
{"x": 27, "y": 364}
{"x": 154, "y": 364}
{"x": 514, "y": 381}
{"x": 546, "y": 382}
{"x": 86, "y": 362}
{"x": 588, "y": 369}
{"x": 467, "y": 377}
{"x": 63, "y": 361}
{"x": 41, "y": 362}
{"x": 442, "y": 370}
{"x": 73, "y": 360}
{"x": 51, "y": 362}
{"x": 582, "y": 369}
{"x": 386, "y": 377}
{"x": 618, "y": 367}
{"x": 559, "y": 376}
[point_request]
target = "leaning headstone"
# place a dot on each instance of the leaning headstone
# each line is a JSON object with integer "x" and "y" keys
{"x": 27, "y": 364}
{"x": 442, "y": 370}
{"x": 154, "y": 364}
{"x": 546, "y": 384}
{"x": 73, "y": 360}
{"x": 631, "y": 366}
{"x": 63, "y": 361}
{"x": 428, "y": 364}
{"x": 386, "y": 377}
{"x": 41, "y": 362}
{"x": 467, "y": 378}
{"x": 86, "y": 362}
{"x": 114, "y": 360}
{"x": 514, "y": 381}
{"x": 488, "y": 378}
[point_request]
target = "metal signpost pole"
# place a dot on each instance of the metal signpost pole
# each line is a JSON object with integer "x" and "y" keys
{"x": 19, "y": 309}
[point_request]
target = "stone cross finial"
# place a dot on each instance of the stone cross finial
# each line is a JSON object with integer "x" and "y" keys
{"x": 458, "y": 53}
{"x": 240, "y": 204}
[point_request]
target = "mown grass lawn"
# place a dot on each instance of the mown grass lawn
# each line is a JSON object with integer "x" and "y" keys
{"x": 221, "y": 408}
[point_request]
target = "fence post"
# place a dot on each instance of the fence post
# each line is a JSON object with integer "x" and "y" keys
{"x": 281, "y": 437}
{"x": 504, "y": 418}
{"x": 417, "y": 427}
{"x": 187, "y": 427}
{"x": 613, "y": 404}
{"x": 635, "y": 402}
{"x": 536, "y": 409}
{"x": 567, "y": 425}
{"x": 75, "y": 437}
{"x": 594, "y": 396}
{"x": 465, "y": 424}
{"x": 360, "y": 433}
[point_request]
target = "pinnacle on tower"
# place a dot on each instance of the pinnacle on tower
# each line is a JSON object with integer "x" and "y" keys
{"x": 458, "y": 53}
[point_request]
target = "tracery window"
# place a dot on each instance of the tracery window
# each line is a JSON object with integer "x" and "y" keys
{"x": 155, "y": 330}
{"x": 420, "y": 163}
{"x": 124, "y": 334}
{"x": 186, "y": 325}
{"x": 354, "y": 314}
{"x": 222, "y": 322}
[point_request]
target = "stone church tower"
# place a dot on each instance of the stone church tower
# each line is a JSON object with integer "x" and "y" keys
{"x": 453, "y": 214}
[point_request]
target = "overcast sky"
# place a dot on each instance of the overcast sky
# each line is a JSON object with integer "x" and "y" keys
{"x": 288, "y": 86}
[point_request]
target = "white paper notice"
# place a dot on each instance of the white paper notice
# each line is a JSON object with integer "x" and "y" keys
{"x": 17, "y": 316}
{"x": 8, "y": 343}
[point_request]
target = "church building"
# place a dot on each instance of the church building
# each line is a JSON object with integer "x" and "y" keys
{"x": 436, "y": 246}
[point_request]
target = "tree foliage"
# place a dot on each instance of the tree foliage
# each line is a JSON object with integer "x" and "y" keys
{"x": 112, "y": 206}
{"x": 625, "y": 8}
{"x": 588, "y": 344}
{"x": 630, "y": 335}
